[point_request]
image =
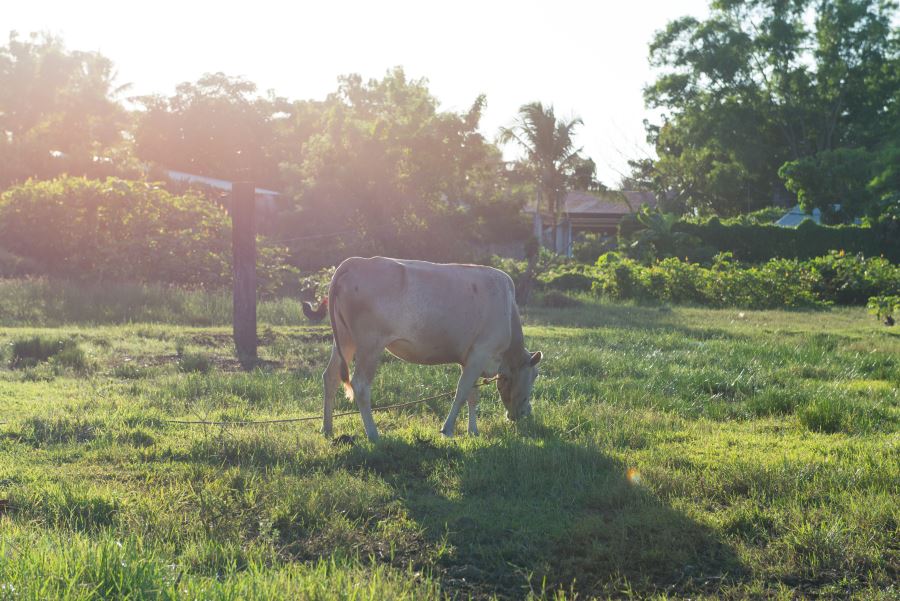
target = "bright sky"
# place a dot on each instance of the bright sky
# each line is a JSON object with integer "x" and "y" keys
{"x": 587, "y": 58}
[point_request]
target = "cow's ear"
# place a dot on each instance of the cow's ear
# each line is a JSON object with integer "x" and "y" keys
{"x": 536, "y": 358}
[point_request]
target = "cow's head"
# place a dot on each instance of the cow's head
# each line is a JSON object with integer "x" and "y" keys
{"x": 515, "y": 382}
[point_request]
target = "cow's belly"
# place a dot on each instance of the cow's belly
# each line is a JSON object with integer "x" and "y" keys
{"x": 423, "y": 353}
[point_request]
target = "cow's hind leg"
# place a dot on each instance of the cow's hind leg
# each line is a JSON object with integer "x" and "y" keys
{"x": 366, "y": 363}
{"x": 467, "y": 380}
{"x": 473, "y": 411}
{"x": 331, "y": 382}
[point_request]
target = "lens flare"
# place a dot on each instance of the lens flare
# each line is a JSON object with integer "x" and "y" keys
{"x": 634, "y": 476}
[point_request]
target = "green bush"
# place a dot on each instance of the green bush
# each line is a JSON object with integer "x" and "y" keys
{"x": 591, "y": 246}
{"x": 884, "y": 307}
{"x": 836, "y": 278}
{"x": 124, "y": 231}
{"x": 852, "y": 279}
{"x": 651, "y": 235}
{"x": 569, "y": 281}
{"x": 512, "y": 267}
{"x": 116, "y": 230}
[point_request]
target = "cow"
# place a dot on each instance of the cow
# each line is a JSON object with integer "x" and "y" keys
{"x": 428, "y": 314}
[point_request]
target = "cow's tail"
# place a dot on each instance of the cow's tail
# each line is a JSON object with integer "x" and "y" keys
{"x": 335, "y": 316}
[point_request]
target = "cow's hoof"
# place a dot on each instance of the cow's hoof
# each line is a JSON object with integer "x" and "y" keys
{"x": 446, "y": 434}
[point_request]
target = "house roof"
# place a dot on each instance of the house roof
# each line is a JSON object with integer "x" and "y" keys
{"x": 606, "y": 203}
{"x": 796, "y": 216}
{"x": 221, "y": 184}
{"x": 603, "y": 203}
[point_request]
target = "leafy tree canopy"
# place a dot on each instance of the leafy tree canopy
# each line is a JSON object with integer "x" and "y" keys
{"x": 834, "y": 181}
{"x": 217, "y": 126}
{"x": 381, "y": 158}
{"x": 763, "y": 82}
{"x": 58, "y": 112}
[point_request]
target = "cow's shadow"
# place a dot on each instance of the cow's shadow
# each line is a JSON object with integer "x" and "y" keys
{"x": 520, "y": 511}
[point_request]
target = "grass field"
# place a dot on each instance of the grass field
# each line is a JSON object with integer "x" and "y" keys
{"x": 672, "y": 452}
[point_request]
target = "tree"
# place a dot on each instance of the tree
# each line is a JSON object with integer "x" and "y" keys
{"x": 584, "y": 175}
{"x": 58, "y": 112}
{"x": 885, "y": 185}
{"x": 763, "y": 82}
{"x": 217, "y": 126}
{"x": 833, "y": 181}
{"x": 550, "y": 151}
{"x": 379, "y": 160}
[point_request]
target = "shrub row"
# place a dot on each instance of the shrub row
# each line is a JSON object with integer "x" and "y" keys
{"x": 120, "y": 230}
{"x": 837, "y": 278}
{"x": 757, "y": 243}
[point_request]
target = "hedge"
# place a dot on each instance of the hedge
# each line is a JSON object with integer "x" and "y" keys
{"x": 759, "y": 243}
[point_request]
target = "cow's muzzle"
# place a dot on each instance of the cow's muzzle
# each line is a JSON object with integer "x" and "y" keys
{"x": 522, "y": 412}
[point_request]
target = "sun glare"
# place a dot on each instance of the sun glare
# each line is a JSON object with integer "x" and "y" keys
{"x": 464, "y": 49}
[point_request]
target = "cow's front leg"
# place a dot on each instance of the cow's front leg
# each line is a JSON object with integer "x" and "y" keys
{"x": 467, "y": 380}
{"x": 473, "y": 410}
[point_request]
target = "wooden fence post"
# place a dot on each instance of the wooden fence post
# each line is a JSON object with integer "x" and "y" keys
{"x": 243, "y": 250}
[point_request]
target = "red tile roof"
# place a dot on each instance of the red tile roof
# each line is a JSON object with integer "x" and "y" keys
{"x": 603, "y": 203}
{"x": 606, "y": 202}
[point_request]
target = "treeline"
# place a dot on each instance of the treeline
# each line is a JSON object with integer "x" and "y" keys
{"x": 376, "y": 161}
{"x": 763, "y": 100}
{"x": 768, "y": 100}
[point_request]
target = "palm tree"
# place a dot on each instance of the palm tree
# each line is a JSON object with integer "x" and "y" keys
{"x": 550, "y": 153}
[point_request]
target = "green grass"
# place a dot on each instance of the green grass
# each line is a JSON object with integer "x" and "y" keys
{"x": 673, "y": 452}
{"x": 47, "y": 302}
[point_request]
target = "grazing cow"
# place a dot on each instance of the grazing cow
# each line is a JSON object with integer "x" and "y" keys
{"x": 429, "y": 314}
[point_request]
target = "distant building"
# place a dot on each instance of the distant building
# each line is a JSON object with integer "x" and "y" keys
{"x": 596, "y": 212}
{"x": 265, "y": 199}
{"x": 796, "y": 216}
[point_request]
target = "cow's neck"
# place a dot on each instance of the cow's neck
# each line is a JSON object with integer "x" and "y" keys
{"x": 516, "y": 352}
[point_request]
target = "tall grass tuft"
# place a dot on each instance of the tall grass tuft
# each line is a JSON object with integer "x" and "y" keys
{"x": 194, "y": 363}
{"x": 28, "y": 352}
{"x": 41, "y": 431}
